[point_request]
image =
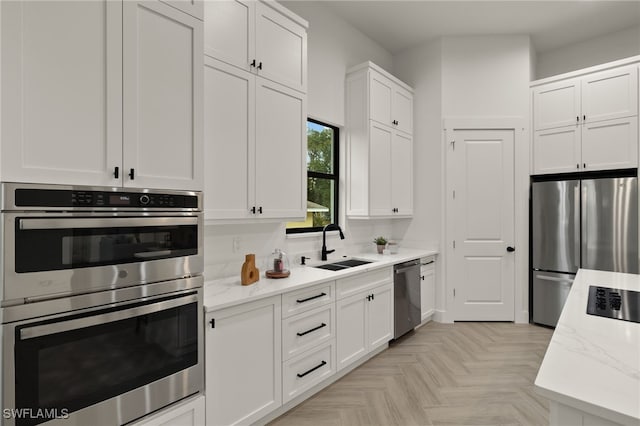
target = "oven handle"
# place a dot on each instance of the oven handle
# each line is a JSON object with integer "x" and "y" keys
{"x": 85, "y": 222}
{"x": 60, "y": 327}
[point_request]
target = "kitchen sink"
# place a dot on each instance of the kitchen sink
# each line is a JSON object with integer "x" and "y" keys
{"x": 344, "y": 264}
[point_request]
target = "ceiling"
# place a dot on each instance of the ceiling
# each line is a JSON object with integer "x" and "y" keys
{"x": 397, "y": 25}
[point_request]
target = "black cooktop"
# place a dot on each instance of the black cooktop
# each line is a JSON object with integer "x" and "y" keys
{"x": 614, "y": 303}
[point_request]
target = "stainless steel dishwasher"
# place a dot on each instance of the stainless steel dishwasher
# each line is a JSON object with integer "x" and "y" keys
{"x": 406, "y": 297}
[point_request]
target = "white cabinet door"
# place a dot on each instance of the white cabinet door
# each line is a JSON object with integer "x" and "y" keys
{"x": 610, "y": 94}
{"x": 281, "y": 48}
{"x": 229, "y": 135}
{"x": 427, "y": 289}
{"x": 281, "y": 187}
{"x": 381, "y": 91}
{"x": 380, "y": 317}
{"x": 186, "y": 413}
{"x": 162, "y": 86}
{"x": 556, "y": 105}
{"x": 61, "y": 92}
{"x": 244, "y": 364}
{"x": 380, "y": 140}
{"x": 557, "y": 150}
{"x": 229, "y": 31}
{"x": 402, "y": 110}
{"x": 402, "y": 174}
{"x": 610, "y": 144}
{"x": 351, "y": 320}
{"x": 192, "y": 7}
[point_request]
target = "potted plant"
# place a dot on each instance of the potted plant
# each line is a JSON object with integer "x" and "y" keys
{"x": 381, "y": 242}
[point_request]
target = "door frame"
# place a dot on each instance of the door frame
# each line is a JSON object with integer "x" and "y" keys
{"x": 521, "y": 208}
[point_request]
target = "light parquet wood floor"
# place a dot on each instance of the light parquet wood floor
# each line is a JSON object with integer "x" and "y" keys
{"x": 441, "y": 374}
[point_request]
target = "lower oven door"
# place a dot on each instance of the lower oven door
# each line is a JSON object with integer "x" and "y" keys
{"x": 109, "y": 366}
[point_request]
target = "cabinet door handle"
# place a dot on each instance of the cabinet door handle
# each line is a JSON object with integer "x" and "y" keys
{"x": 260, "y": 66}
{"x": 253, "y": 63}
{"x": 422, "y": 277}
{"x": 260, "y": 209}
{"x": 253, "y": 210}
{"x": 322, "y": 364}
{"x": 132, "y": 174}
{"x": 584, "y": 118}
{"x": 584, "y": 165}
{"x": 577, "y": 118}
{"x": 116, "y": 172}
{"x": 312, "y": 329}
{"x": 511, "y": 249}
{"x": 577, "y": 165}
{"x": 311, "y": 298}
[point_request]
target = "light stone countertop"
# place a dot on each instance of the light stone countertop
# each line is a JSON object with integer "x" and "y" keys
{"x": 593, "y": 363}
{"x": 228, "y": 292}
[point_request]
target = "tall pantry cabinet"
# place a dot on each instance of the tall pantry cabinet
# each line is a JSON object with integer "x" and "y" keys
{"x": 255, "y": 111}
{"x": 102, "y": 93}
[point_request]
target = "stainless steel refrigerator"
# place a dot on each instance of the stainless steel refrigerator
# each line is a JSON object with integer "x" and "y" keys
{"x": 581, "y": 223}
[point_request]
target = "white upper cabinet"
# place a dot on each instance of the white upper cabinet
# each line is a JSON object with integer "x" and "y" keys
{"x": 162, "y": 106}
{"x": 72, "y": 70}
{"x": 281, "y": 116}
{"x": 379, "y": 129}
{"x": 61, "y": 92}
{"x": 192, "y": 7}
{"x": 586, "y": 123}
{"x": 229, "y": 141}
{"x": 556, "y": 104}
{"x": 261, "y": 37}
{"x": 390, "y": 103}
{"x": 229, "y": 32}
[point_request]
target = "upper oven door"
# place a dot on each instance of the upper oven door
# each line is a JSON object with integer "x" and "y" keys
{"x": 53, "y": 254}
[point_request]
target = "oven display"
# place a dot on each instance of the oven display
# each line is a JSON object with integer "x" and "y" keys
{"x": 120, "y": 200}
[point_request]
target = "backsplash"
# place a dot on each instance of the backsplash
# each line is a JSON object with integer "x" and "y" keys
{"x": 226, "y": 245}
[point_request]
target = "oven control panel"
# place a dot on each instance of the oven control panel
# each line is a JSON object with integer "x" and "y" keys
{"x": 71, "y": 198}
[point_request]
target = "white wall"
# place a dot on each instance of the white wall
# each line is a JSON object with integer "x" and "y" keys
{"x": 333, "y": 47}
{"x": 471, "y": 77}
{"x": 607, "y": 48}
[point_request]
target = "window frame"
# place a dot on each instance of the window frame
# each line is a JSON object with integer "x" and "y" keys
{"x": 335, "y": 177}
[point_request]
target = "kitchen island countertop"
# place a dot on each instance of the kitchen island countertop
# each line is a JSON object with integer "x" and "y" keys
{"x": 228, "y": 292}
{"x": 592, "y": 363}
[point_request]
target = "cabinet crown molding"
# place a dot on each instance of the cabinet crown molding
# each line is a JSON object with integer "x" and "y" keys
{"x": 379, "y": 69}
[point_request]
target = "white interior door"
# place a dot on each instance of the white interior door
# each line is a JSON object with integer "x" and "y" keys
{"x": 481, "y": 270}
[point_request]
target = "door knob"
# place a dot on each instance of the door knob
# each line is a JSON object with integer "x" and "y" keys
{"x": 511, "y": 249}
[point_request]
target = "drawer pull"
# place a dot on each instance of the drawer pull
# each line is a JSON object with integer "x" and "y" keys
{"x": 311, "y": 298}
{"x": 312, "y": 330}
{"x": 428, "y": 263}
{"x": 322, "y": 364}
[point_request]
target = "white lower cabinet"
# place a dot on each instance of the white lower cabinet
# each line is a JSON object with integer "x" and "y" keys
{"x": 307, "y": 370}
{"x": 307, "y": 330}
{"x": 190, "y": 412}
{"x": 243, "y": 362}
{"x": 427, "y": 288}
{"x": 364, "y": 323}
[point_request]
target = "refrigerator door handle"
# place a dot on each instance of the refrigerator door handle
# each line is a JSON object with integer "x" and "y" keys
{"x": 584, "y": 233}
{"x": 576, "y": 224}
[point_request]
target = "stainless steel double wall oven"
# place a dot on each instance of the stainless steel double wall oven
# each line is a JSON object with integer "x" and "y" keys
{"x": 101, "y": 302}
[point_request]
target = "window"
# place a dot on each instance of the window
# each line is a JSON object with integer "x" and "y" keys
{"x": 322, "y": 178}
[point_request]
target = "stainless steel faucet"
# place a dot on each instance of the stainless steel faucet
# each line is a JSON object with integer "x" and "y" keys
{"x": 325, "y": 252}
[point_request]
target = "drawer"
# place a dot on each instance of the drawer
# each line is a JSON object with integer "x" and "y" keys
{"x": 307, "y": 330}
{"x": 428, "y": 262}
{"x": 307, "y": 370}
{"x": 308, "y": 298}
{"x": 348, "y": 286}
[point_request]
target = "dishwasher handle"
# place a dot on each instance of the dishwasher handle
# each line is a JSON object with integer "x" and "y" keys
{"x": 405, "y": 269}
